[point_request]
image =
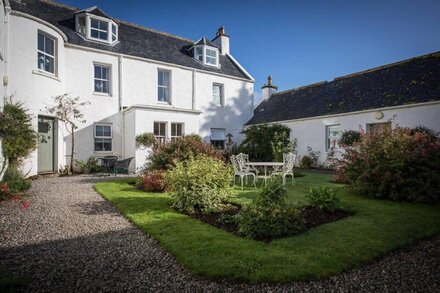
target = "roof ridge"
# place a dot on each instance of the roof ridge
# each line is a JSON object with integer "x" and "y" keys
{"x": 387, "y": 65}
{"x": 361, "y": 72}
{"x": 75, "y": 9}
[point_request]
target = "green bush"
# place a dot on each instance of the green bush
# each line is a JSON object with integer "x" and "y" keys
{"x": 267, "y": 142}
{"x": 323, "y": 198}
{"x": 306, "y": 162}
{"x": 349, "y": 137}
{"x": 92, "y": 165}
{"x": 20, "y": 138}
{"x": 146, "y": 139}
{"x": 164, "y": 156}
{"x": 270, "y": 216}
{"x": 152, "y": 181}
{"x": 199, "y": 183}
{"x": 398, "y": 164}
{"x": 15, "y": 180}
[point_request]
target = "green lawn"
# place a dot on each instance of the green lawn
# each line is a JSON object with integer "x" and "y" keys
{"x": 376, "y": 228}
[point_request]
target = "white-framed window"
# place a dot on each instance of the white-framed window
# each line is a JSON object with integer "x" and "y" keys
{"x": 96, "y": 28}
{"x": 207, "y": 55}
{"x": 211, "y": 57}
{"x": 103, "y": 138}
{"x": 102, "y": 78}
{"x": 46, "y": 53}
{"x": 99, "y": 29}
{"x": 176, "y": 131}
{"x": 333, "y": 134}
{"x": 160, "y": 131}
{"x": 199, "y": 53}
{"x": 217, "y": 94}
{"x": 218, "y": 137}
{"x": 163, "y": 85}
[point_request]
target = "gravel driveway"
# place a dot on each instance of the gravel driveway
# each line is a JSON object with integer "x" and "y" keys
{"x": 70, "y": 239}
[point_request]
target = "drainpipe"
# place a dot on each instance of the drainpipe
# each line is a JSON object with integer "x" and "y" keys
{"x": 6, "y": 48}
{"x": 121, "y": 114}
{"x": 194, "y": 89}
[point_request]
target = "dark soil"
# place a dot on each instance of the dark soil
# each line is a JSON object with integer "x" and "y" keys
{"x": 225, "y": 220}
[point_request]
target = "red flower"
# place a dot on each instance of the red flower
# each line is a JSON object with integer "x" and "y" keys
{"x": 24, "y": 204}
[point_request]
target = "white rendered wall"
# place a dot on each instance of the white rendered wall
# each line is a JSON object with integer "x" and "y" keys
{"x": 312, "y": 132}
{"x": 2, "y": 69}
{"x": 75, "y": 76}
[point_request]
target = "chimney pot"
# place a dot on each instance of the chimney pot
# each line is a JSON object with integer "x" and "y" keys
{"x": 268, "y": 89}
{"x": 221, "y": 40}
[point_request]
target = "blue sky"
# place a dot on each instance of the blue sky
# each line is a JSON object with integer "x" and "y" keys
{"x": 297, "y": 42}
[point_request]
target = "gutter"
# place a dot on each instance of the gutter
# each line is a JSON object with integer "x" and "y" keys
{"x": 5, "y": 81}
{"x": 162, "y": 108}
{"x": 121, "y": 115}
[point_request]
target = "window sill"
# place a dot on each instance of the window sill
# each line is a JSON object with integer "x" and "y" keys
{"x": 45, "y": 74}
{"x": 102, "y": 94}
{"x": 163, "y": 103}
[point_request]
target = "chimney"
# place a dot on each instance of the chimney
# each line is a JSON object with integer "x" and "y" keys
{"x": 221, "y": 40}
{"x": 268, "y": 89}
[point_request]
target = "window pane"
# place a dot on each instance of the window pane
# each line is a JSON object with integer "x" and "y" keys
{"x": 103, "y": 35}
{"x": 40, "y": 42}
{"x": 41, "y": 61}
{"x": 49, "y": 44}
{"x": 99, "y": 131}
{"x": 199, "y": 51}
{"x": 98, "y": 72}
{"x": 156, "y": 128}
{"x": 50, "y": 64}
{"x": 103, "y": 25}
{"x": 94, "y": 23}
{"x": 105, "y": 74}
{"x": 107, "y": 131}
{"x": 94, "y": 33}
{"x": 114, "y": 29}
{"x": 160, "y": 78}
{"x": 211, "y": 53}
{"x": 162, "y": 129}
{"x": 113, "y": 38}
{"x": 107, "y": 145}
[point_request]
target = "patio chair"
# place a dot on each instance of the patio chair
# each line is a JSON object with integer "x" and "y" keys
{"x": 245, "y": 159}
{"x": 121, "y": 166}
{"x": 108, "y": 163}
{"x": 287, "y": 168}
{"x": 242, "y": 171}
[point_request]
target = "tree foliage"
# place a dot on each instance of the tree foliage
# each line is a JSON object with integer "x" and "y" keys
{"x": 267, "y": 142}
{"x": 68, "y": 110}
{"x": 19, "y": 136}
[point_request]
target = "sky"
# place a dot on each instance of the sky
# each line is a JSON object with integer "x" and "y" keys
{"x": 297, "y": 42}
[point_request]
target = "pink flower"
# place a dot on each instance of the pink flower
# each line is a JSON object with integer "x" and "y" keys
{"x": 24, "y": 204}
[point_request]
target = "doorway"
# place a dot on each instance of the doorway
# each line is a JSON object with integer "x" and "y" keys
{"x": 46, "y": 144}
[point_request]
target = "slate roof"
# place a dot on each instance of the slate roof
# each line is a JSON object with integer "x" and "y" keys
{"x": 411, "y": 81}
{"x": 205, "y": 41}
{"x": 134, "y": 40}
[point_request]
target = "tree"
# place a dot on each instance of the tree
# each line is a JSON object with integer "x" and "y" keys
{"x": 266, "y": 142}
{"x": 19, "y": 138}
{"x": 68, "y": 110}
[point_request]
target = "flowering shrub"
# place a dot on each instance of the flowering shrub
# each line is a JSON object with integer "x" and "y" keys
{"x": 152, "y": 181}
{"x": 270, "y": 216}
{"x": 5, "y": 192}
{"x": 200, "y": 183}
{"x": 349, "y": 137}
{"x": 398, "y": 164}
{"x": 164, "y": 156}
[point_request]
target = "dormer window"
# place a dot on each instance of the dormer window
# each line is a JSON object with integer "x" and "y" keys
{"x": 93, "y": 24}
{"x": 206, "y": 52}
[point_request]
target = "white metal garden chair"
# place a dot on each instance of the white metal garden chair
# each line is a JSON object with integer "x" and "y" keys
{"x": 241, "y": 170}
{"x": 287, "y": 168}
{"x": 244, "y": 158}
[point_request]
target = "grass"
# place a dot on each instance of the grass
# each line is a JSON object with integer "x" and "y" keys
{"x": 377, "y": 228}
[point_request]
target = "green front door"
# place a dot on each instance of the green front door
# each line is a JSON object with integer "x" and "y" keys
{"x": 46, "y": 145}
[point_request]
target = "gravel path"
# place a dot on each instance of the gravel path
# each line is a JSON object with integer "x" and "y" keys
{"x": 70, "y": 239}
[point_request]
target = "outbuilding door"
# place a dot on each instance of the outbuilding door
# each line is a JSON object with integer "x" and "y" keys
{"x": 46, "y": 145}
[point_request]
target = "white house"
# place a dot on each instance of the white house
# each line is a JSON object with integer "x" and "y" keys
{"x": 405, "y": 93}
{"x": 136, "y": 79}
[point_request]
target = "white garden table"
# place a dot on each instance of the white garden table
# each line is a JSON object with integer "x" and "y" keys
{"x": 274, "y": 165}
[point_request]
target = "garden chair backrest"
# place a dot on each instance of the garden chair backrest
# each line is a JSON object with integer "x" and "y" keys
{"x": 289, "y": 161}
{"x": 234, "y": 164}
{"x": 242, "y": 158}
{"x": 123, "y": 164}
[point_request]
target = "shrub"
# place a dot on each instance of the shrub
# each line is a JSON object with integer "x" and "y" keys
{"x": 199, "y": 183}
{"x": 15, "y": 180}
{"x": 146, "y": 139}
{"x": 92, "y": 165}
{"x": 266, "y": 142}
{"x": 306, "y": 162}
{"x": 5, "y": 192}
{"x": 349, "y": 137}
{"x": 152, "y": 181}
{"x": 397, "y": 164}
{"x": 164, "y": 156}
{"x": 20, "y": 138}
{"x": 323, "y": 198}
{"x": 270, "y": 216}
